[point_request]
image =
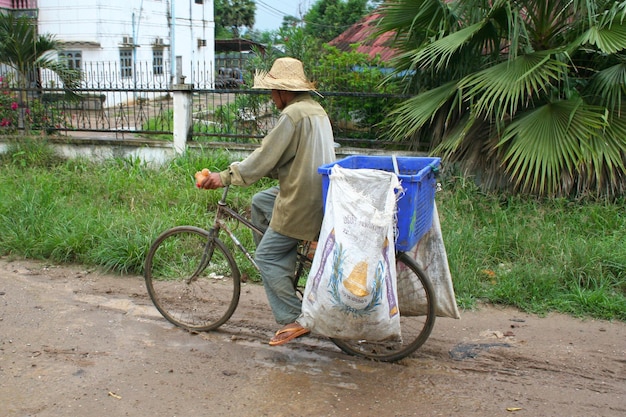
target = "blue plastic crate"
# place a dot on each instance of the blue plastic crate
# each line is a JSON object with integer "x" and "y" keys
{"x": 415, "y": 206}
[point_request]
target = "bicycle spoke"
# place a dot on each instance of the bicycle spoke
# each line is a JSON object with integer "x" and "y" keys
{"x": 417, "y": 316}
{"x": 193, "y": 288}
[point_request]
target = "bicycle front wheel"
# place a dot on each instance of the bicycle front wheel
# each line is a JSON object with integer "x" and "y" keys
{"x": 415, "y": 327}
{"x": 192, "y": 279}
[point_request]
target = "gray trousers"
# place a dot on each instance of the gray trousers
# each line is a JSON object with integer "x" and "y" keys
{"x": 276, "y": 256}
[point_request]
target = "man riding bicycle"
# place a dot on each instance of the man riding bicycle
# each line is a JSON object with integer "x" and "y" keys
{"x": 301, "y": 141}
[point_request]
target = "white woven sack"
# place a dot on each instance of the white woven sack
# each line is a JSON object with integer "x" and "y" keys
{"x": 351, "y": 290}
{"x": 430, "y": 255}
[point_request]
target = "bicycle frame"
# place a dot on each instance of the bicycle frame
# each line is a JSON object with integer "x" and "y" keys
{"x": 224, "y": 213}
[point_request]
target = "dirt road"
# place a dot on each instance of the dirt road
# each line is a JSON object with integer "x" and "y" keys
{"x": 81, "y": 343}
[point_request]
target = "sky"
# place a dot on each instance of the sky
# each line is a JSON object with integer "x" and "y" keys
{"x": 269, "y": 13}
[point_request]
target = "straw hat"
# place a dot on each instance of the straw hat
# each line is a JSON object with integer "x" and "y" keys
{"x": 286, "y": 74}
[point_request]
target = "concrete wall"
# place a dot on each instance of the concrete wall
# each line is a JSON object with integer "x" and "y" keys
{"x": 155, "y": 152}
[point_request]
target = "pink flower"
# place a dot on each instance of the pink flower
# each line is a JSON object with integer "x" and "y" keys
{"x": 5, "y": 122}
{"x": 14, "y": 106}
{"x": 27, "y": 111}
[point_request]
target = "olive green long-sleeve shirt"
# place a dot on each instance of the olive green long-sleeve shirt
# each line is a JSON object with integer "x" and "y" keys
{"x": 301, "y": 141}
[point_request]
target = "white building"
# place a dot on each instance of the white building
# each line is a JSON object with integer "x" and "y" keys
{"x": 130, "y": 43}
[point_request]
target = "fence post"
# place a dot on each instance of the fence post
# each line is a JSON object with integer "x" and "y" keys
{"x": 182, "y": 115}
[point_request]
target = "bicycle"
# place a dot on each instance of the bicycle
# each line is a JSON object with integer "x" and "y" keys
{"x": 194, "y": 281}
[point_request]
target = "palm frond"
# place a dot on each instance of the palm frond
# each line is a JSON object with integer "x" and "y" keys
{"x": 549, "y": 143}
{"x": 437, "y": 54}
{"x": 606, "y": 151}
{"x": 21, "y": 47}
{"x": 615, "y": 11}
{"x": 607, "y": 85}
{"x": 609, "y": 39}
{"x": 454, "y": 146}
{"x": 416, "y": 112}
{"x": 414, "y": 21}
{"x": 603, "y": 170}
{"x": 500, "y": 89}
{"x": 69, "y": 77}
{"x": 470, "y": 144}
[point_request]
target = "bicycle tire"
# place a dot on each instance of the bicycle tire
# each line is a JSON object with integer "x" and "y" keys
{"x": 191, "y": 292}
{"x": 415, "y": 329}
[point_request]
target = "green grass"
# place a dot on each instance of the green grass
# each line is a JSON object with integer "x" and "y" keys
{"x": 539, "y": 256}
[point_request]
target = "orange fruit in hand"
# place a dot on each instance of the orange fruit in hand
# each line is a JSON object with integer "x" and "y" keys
{"x": 200, "y": 176}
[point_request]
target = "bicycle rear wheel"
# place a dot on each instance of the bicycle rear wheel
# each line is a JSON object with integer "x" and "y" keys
{"x": 192, "y": 280}
{"x": 415, "y": 329}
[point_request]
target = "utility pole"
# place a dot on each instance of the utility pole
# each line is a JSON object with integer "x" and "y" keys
{"x": 173, "y": 42}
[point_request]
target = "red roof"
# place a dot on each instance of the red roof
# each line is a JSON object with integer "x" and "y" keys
{"x": 360, "y": 33}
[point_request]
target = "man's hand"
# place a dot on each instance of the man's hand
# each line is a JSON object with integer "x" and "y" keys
{"x": 211, "y": 182}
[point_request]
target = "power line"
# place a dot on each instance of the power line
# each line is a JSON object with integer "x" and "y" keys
{"x": 279, "y": 13}
{"x": 272, "y": 10}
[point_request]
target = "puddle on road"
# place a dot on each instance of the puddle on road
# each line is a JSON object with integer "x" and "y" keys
{"x": 312, "y": 358}
{"x": 345, "y": 385}
{"x": 121, "y": 304}
{"x": 471, "y": 350}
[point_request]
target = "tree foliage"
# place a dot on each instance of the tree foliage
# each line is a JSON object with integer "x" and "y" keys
{"x": 289, "y": 22}
{"x": 327, "y": 19}
{"x": 526, "y": 94}
{"x": 233, "y": 15}
{"x": 333, "y": 70}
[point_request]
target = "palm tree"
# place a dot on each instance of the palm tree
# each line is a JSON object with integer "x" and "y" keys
{"x": 25, "y": 51}
{"x": 22, "y": 49}
{"x": 527, "y": 93}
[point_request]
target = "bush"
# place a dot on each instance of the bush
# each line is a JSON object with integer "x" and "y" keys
{"x": 8, "y": 107}
{"x": 36, "y": 115}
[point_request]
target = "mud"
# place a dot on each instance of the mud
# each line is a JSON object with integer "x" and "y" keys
{"x": 75, "y": 342}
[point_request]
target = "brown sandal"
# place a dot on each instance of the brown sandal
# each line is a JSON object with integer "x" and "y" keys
{"x": 288, "y": 333}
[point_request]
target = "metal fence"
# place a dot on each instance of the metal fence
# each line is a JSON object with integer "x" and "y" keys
{"x": 143, "y": 106}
